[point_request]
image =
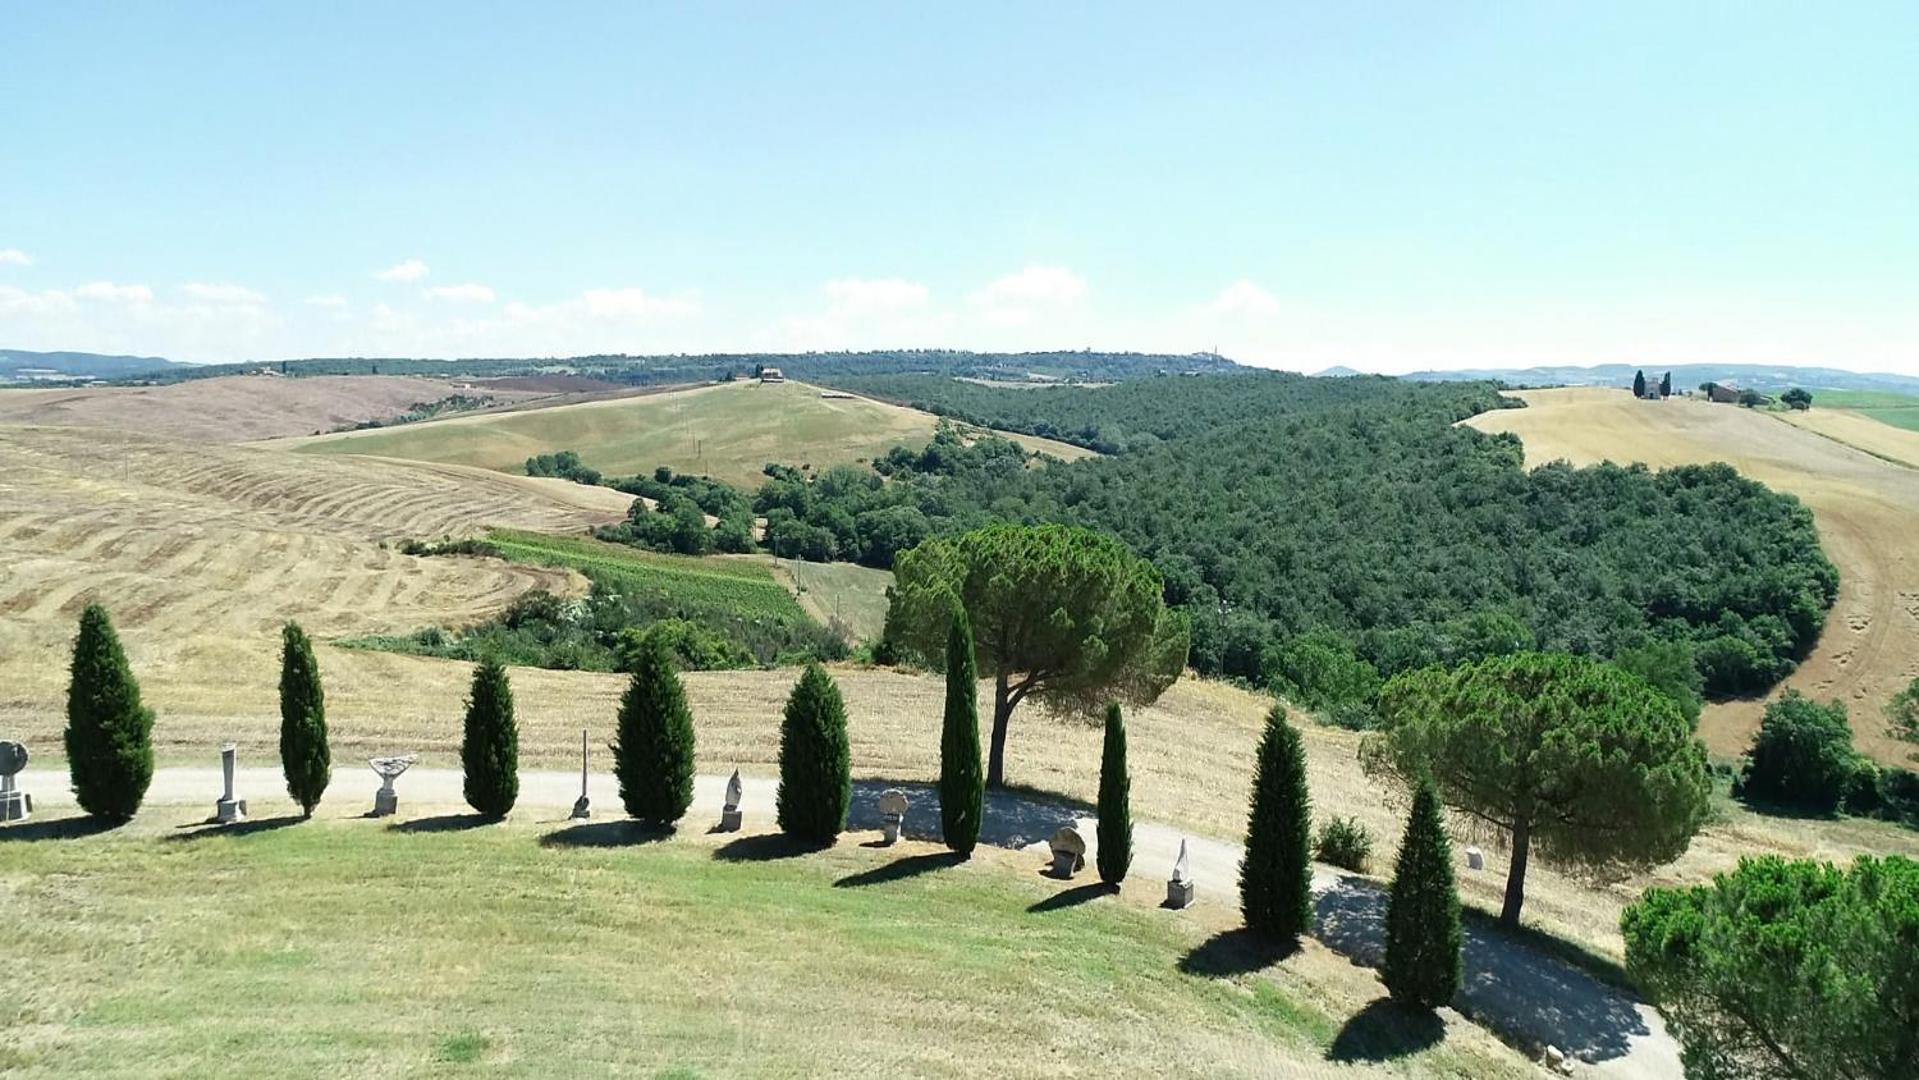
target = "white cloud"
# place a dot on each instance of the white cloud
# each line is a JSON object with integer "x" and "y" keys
{"x": 462, "y": 294}
{"x": 1022, "y": 298}
{"x": 330, "y": 301}
{"x": 222, "y": 294}
{"x": 14, "y": 257}
{"x": 861, "y": 296}
{"x": 108, "y": 292}
{"x": 862, "y": 313}
{"x": 1243, "y": 300}
{"x": 409, "y": 270}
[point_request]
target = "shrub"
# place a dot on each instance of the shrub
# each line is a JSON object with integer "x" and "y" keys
{"x": 1423, "y": 935}
{"x": 1345, "y": 843}
{"x": 1802, "y": 758}
{"x": 1320, "y": 670}
{"x": 1351, "y": 715}
{"x": 1275, "y": 875}
{"x": 816, "y": 785}
{"x": 1902, "y": 713}
{"x": 109, "y": 736}
{"x": 1115, "y": 810}
{"x": 490, "y": 749}
{"x": 304, "y": 756}
{"x": 1785, "y": 969}
{"x": 653, "y": 754}
{"x": 962, "y": 777}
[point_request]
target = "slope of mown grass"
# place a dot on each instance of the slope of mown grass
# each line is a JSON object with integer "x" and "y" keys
{"x": 345, "y": 947}
{"x": 1899, "y": 410}
{"x": 743, "y": 588}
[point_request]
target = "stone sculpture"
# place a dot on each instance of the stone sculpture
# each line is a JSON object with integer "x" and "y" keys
{"x": 1179, "y": 888}
{"x": 229, "y": 810}
{"x": 1475, "y": 859}
{"x": 15, "y": 805}
{"x": 582, "y": 808}
{"x": 386, "y": 801}
{"x": 1069, "y": 852}
{"x": 892, "y": 814}
{"x": 730, "y": 813}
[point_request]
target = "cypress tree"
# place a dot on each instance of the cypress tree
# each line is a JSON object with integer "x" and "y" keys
{"x": 962, "y": 779}
{"x": 1638, "y": 384}
{"x": 1275, "y": 877}
{"x": 653, "y": 756}
{"x": 490, "y": 751}
{"x": 1422, "y": 916}
{"x": 816, "y": 783}
{"x": 1115, "y": 810}
{"x": 109, "y": 733}
{"x": 304, "y": 755}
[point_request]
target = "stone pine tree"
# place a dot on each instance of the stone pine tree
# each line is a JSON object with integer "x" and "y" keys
{"x": 1422, "y": 916}
{"x": 304, "y": 755}
{"x": 653, "y": 757}
{"x": 109, "y": 733}
{"x": 816, "y": 782}
{"x": 1115, "y": 802}
{"x": 962, "y": 781}
{"x": 1275, "y": 875}
{"x": 490, "y": 751}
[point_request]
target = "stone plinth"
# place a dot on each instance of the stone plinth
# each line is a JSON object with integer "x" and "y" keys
{"x": 890, "y": 828}
{"x": 15, "y": 805}
{"x": 730, "y": 819}
{"x": 1179, "y": 894}
{"x": 230, "y": 811}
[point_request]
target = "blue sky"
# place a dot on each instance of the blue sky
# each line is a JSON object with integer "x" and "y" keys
{"x": 1389, "y": 186}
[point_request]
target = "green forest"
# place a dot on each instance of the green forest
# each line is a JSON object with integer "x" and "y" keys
{"x": 1324, "y": 534}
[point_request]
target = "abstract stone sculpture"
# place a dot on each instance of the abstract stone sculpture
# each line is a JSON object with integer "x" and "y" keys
{"x": 1069, "y": 852}
{"x": 1475, "y": 859}
{"x": 730, "y": 813}
{"x": 229, "y": 810}
{"x": 386, "y": 801}
{"x": 892, "y": 814}
{"x": 15, "y": 805}
{"x": 1179, "y": 888}
{"x": 582, "y": 809}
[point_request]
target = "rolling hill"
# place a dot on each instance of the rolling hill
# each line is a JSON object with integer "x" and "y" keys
{"x": 1684, "y": 376}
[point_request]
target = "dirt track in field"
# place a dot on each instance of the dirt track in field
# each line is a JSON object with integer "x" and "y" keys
{"x": 1866, "y": 507}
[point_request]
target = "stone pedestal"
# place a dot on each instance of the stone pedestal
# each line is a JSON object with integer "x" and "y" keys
{"x": 890, "y": 828}
{"x": 229, "y": 811}
{"x": 1179, "y": 894}
{"x": 730, "y": 819}
{"x": 1066, "y": 863}
{"x": 386, "y": 802}
{"x": 1475, "y": 859}
{"x": 15, "y": 805}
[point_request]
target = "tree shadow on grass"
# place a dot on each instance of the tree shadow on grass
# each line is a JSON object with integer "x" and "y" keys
{"x": 1073, "y": 897}
{"x": 66, "y": 828}
{"x": 901, "y": 869}
{"x": 205, "y": 829}
{"x": 609, "y": 834}
{"x": 1385, "y": 1030}
{"x": 444, "y": 823}
{"x": 1015, "y": 816}
{"x": 1233, "y": 952}
{"x": 765, "y": 848}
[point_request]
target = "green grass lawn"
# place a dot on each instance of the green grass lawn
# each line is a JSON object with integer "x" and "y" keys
{"x": 854, "y": 594}
{"x": 741, "y": 587}
{"x": 347, "y": 947}
{"x": 1899, "y": 410}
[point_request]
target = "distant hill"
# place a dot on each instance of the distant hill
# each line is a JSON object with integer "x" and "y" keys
{"x": 80, "y": 365}
{"x": 1684, "y": 376}
{"x": 1338, "y": 371}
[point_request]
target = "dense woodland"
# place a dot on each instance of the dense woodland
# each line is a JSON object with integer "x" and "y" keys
{"x": 1327, "y": 533}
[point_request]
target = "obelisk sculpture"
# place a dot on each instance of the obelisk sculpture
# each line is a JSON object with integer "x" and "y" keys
{"x": 583, "y": 808}
{"x": 229, "y": 809}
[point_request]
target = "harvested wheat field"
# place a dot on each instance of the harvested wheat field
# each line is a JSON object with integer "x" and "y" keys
{"x": 1867, "y": 510}
{"x": 238, "y": 408}
{"x": 1897, "y": 445}
{"x": 729, "y": 431}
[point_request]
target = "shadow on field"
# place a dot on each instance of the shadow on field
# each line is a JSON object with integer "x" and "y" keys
{"x": 1015, "y": 817}
{"x": 608, "y": 834}
{"x": 1073, "y": 897}
{"x": 901, "y": 869}
{"x": 1232, "y": 952}
{"x": 1385, "y": 1030}
{"x": 444, "y": 823}
{"x": 205, "y": 829}
{"x": 67, "y": 828}
{"x": 765, "y": 848}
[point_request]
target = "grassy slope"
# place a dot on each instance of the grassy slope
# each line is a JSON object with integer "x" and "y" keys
{"x": 856, "y": 595}
{"x": 343, "y": 947}
{"x": 1899, "y": 410}
{"x": 729, "y": 431}
{"x": 744, "y": 587}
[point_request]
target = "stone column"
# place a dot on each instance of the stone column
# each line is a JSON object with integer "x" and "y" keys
{"x": 229, "y": 809}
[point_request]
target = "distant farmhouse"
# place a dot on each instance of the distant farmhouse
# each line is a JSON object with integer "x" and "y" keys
{"x": 772, "y": 374}
{"x": 1728, "y": 394}
{"x": 1651, "y": 391}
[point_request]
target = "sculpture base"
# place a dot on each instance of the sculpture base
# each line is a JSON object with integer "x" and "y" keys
{"x": 386, "y": 803}
{"x": 731, "y": 820}
{"x": 1065, "y": 863}
{"x": 582, "y": 809}
{"x": 890, "y": 829}
{"x": 16, "y": 806}
{"x": 1179, "y": 894}
{"x": 230, "y": 811}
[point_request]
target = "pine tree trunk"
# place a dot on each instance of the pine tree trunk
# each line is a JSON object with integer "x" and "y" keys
{"x": 1002, "y": 712}
{"x": 1516, "y": 874}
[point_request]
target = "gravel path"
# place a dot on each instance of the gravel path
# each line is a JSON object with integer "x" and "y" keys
{"x": 1525, "y": 994}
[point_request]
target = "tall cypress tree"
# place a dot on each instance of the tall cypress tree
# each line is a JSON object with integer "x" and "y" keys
{"x": 490, "y": 751}
{"x": 653, "y": 756}
{"x": 304, "y": 755}
{"x": 109, "y": 733}
{"x": 1638, "y": 384}
{"x": 816, "y": 783}
{"x": 1275, "y": 877}
{"x": 962, "y": 779}
{"x": 1115, "y": 799}
{"x": 1422, "y": 917}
